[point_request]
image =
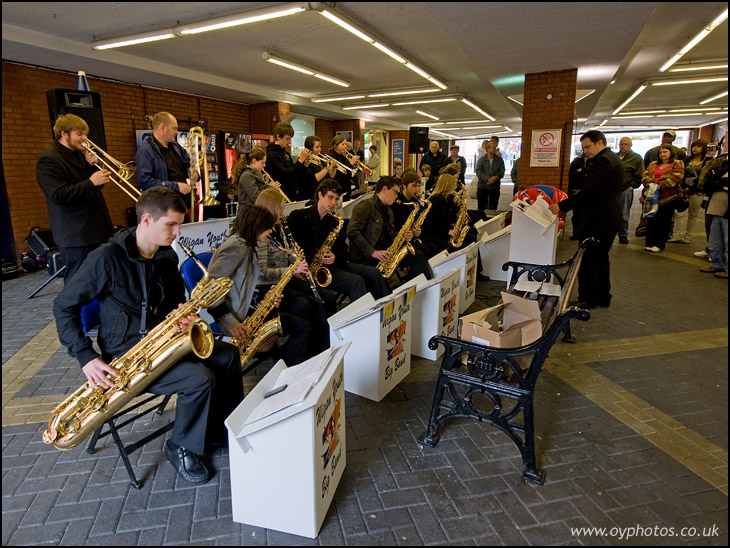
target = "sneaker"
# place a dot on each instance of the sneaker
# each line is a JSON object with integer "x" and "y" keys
{"x": 702, "y": 254}
{"x": 709, "y": 268}
{"x": 722, "y": 274}
{"x": 674, "y": 241}
{"x": 623, "y": 240}
{"x": 653, "y": 249}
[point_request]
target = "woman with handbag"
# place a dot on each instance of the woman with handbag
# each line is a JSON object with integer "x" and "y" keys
{"x": 684, "y": 221}
{"x": 668, "y": 173}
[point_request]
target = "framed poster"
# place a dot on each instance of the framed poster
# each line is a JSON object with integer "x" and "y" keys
{"x": 346, "y": 134}
{"x": 399, "y": 150}
{"x": 545, "y": 149}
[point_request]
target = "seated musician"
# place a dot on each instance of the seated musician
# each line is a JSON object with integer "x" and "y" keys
{"x": 409, "y": 196}
{"x": 237, "y": 258}
{"x": 316, "y": 172}
{"x": 248, "y": 171}
{"x": 311, "y": 227}
{"x": 371, "y": 230}
{"x": 136, "y": 266}
{"x": 299, "y": 300}
{"x": 437, "y": 229}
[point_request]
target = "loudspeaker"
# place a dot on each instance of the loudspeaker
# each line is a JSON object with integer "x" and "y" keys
{"x": 417, "y": 140}
{"x": 84, "y": 104}
{"x": 41, "y": 242}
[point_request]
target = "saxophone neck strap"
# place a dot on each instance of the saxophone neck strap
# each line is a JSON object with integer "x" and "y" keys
{"x": 143, "y": 284}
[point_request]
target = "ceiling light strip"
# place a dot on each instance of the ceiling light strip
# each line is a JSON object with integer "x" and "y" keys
{"x": 693, "y": 81}
{"x": 331, "y": 99}
{"x": 133, "y": 39}
{"x": 696, "y": 40}
{"x": 406, "y": 92}
{"x": 427, "y": 115}
{"x": 479, "y": 110}
{"x": 304, "y": 70}
{"x": 424, "y": 101}
{"x": 641, "y": 88}
{"x": 358, "y": 107}
{"x": 704, "y": 67}
{"x": 713, "y": 98}
{"x": 236, "y": 20}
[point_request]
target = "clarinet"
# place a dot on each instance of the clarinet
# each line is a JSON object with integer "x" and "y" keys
{"x": 293, "y": 244}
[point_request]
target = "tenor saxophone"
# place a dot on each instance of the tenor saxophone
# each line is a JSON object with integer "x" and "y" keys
{"x": 462, "y": 222}
{"x": 422, "y": 217}
{"x": 322, "y": 274}
{"x": 261, "y": 332}
{"x": 399, "y": 248}
{"x": 88, "y": 408}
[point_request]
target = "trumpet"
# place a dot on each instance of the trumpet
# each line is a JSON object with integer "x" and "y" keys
{"x": 269, "y": 180}
{"x": 121, "y": 172}
{"x": 316, "y": 159}
{"x": 359, "y": 166}
{"x": 342, "y": 168}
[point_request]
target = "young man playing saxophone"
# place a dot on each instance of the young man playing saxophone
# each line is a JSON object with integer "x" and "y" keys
{"x": 136, "y": 281}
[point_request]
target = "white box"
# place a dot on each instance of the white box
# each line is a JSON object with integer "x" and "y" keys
{"x": 465, "y": 259}
{"x": 380, "y": 333}
{"x": 531, "y": 241}
{"x": 293, "y": 206}
{"x": 435, "y": 312}
{"x": 285, "y": 467}
{"x": 348, "y": 206}
{"x": 490, "y": 226}
{"x": 494, "y": 252}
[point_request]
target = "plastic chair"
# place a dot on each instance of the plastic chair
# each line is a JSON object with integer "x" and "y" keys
{"x": 192, "y": 274}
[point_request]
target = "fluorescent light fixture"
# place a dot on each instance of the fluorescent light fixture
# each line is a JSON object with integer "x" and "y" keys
{"x": 134, "y": 39}
{"x": 424, "y": 101}
{"x": 347, "y": 26}
{"x": 235, "y": 20}
{"x": 622, "y": 117}
{"x": 642, "y": 112}
{"x": 427, "y": 115}
{"x": 703, "y": 67}
{"x": 406, "y": 92}
{"x": 515, "y": 100}
{"x": 359, "y": 107}
{"x": 586, "y": 95}
{"x": 479, "y": 110}
{"x": 437, "y": 82}
{"x": 508, "y": 129}
{"x": 686, "y": 114}
{"x": 468, "y": 122}
{"x": 474, "y": 127}
{"x": 304, "y": 70}
{"x": 694, "y": 109}
{"x": 641, "y": 88}
{"x": 331, "y": 99}
{"x": 389, "y": 52}
{"x": 696, "y": 40}
{"x": 713, "y": 98}
{"x": 603, "y": 123}
{"x": 693, "y": 81}
{"x": 449, "y": 135}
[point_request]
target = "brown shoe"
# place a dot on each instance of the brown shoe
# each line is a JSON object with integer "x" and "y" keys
{"x": 722, "y": 274}
{"x": 710, "y": 268}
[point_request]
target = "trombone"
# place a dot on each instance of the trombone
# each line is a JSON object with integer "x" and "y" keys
{"x": 198, "y": 160}
{"x": 269, "y": 180}
{"x": 120, "y": 172}
{"x": 322, "y": 160}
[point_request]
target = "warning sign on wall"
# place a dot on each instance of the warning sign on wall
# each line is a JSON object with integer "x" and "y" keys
{"x": 545, "y": 151}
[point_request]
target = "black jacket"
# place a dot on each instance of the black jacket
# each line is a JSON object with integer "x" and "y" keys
{"x": 78, "y": 212}
{"x": 284, "y": 170}
{"x": 371, "y": 220}
{"x": 113, "y": 274}
{"x": 598, "y": 201}
{"x": 310, "y": 232}
{"x": 436, "y": 162}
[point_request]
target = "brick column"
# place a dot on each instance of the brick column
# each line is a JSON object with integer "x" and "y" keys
{"x": 538, "y": 113}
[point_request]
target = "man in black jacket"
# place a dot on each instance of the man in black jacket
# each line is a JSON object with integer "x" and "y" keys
{"x": 79, "y": 216}
{"x": 136, "y": 281}
{"x": 601, "y": 218}
{"x": 434, "y": 158}
{"x": 279, "y": 163}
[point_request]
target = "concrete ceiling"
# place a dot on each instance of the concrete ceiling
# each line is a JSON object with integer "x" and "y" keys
{"x": 481, "y": 51}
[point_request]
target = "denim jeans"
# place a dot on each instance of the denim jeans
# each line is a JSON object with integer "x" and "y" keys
{"x": 627, "y": 200}
{"x": 718, "y": 242}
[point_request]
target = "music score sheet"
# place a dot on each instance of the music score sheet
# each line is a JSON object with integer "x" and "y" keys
{"x": 299, "y": 381}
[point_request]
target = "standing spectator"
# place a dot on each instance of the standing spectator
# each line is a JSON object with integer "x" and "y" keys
{"x": 374, "y": 165}
{"x": 576, "y": 177}
{"x": 668, "y": 173}
{"x": 161, "y": 160}
{"x": 79, "y": 216}
{"x": 715, "y": 186}
{"x": 434, "y": 158}
{"x": 456, "y": 159}
{"x": 684, "y": 221}
{"x": 633, "y": 171}
{"x": 490, "y": 170}
{"x": 668, "y": 137}
{"x": 280, "y": 165}
{"x": 601, "y": 206}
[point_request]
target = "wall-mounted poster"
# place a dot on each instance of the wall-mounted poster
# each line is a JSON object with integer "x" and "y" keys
{"x": 399, "y": 150}
{"x": 142, "y": 135}
{"x": 545, "y": 150}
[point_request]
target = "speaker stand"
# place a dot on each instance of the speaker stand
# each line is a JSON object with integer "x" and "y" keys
{"x": 49, "y": 280}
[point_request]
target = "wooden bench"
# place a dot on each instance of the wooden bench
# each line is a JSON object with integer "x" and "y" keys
{"x": 496, "y": 385}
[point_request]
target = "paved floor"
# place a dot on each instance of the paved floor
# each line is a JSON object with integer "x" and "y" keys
{"x": 632, "y": 424}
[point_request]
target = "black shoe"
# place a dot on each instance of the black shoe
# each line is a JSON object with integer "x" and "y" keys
{"x": 187, "y": 464}
{"x": 584, "y": 304}
{"x": 623, "y": 240}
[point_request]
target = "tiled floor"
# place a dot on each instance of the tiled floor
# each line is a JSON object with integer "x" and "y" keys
{"x": 631, "y": 421}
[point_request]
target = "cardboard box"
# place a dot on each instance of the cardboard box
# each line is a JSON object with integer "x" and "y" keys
{"x": 520, "y": 324}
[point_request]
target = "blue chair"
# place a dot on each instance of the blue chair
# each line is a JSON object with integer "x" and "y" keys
{"x": 192, "y": 274}
{"x": 90, "y": 317}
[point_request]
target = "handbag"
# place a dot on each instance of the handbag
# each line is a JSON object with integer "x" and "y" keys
{"x": 681, "y": 203}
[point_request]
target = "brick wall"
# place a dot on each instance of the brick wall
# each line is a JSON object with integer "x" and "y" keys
{"x": 539, "y": 113}
{"x": 325, "y": 130}
{"x": 26, "y": 132}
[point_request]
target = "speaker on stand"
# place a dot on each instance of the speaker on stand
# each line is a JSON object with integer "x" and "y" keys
{"x": 84, "y": 104}
{"x": 417, "y": 140}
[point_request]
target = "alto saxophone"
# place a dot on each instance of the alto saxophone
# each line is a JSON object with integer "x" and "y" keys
{"x": 422, "y": 217}
{"x": 88, "y": 408}
{"x": 399, "y": 248}
{"x": 259, "y": 331}
{"x": 462, "y": 222}
{"x": 322, "y": 274}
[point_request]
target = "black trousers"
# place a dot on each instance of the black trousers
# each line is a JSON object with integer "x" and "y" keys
{"x": 657, "y": 227}
{"x": 208, "y": 390}
{"x": 73, "y": 257}
{"x": 594, "y": 276}
{"x": 487, "y": 198}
